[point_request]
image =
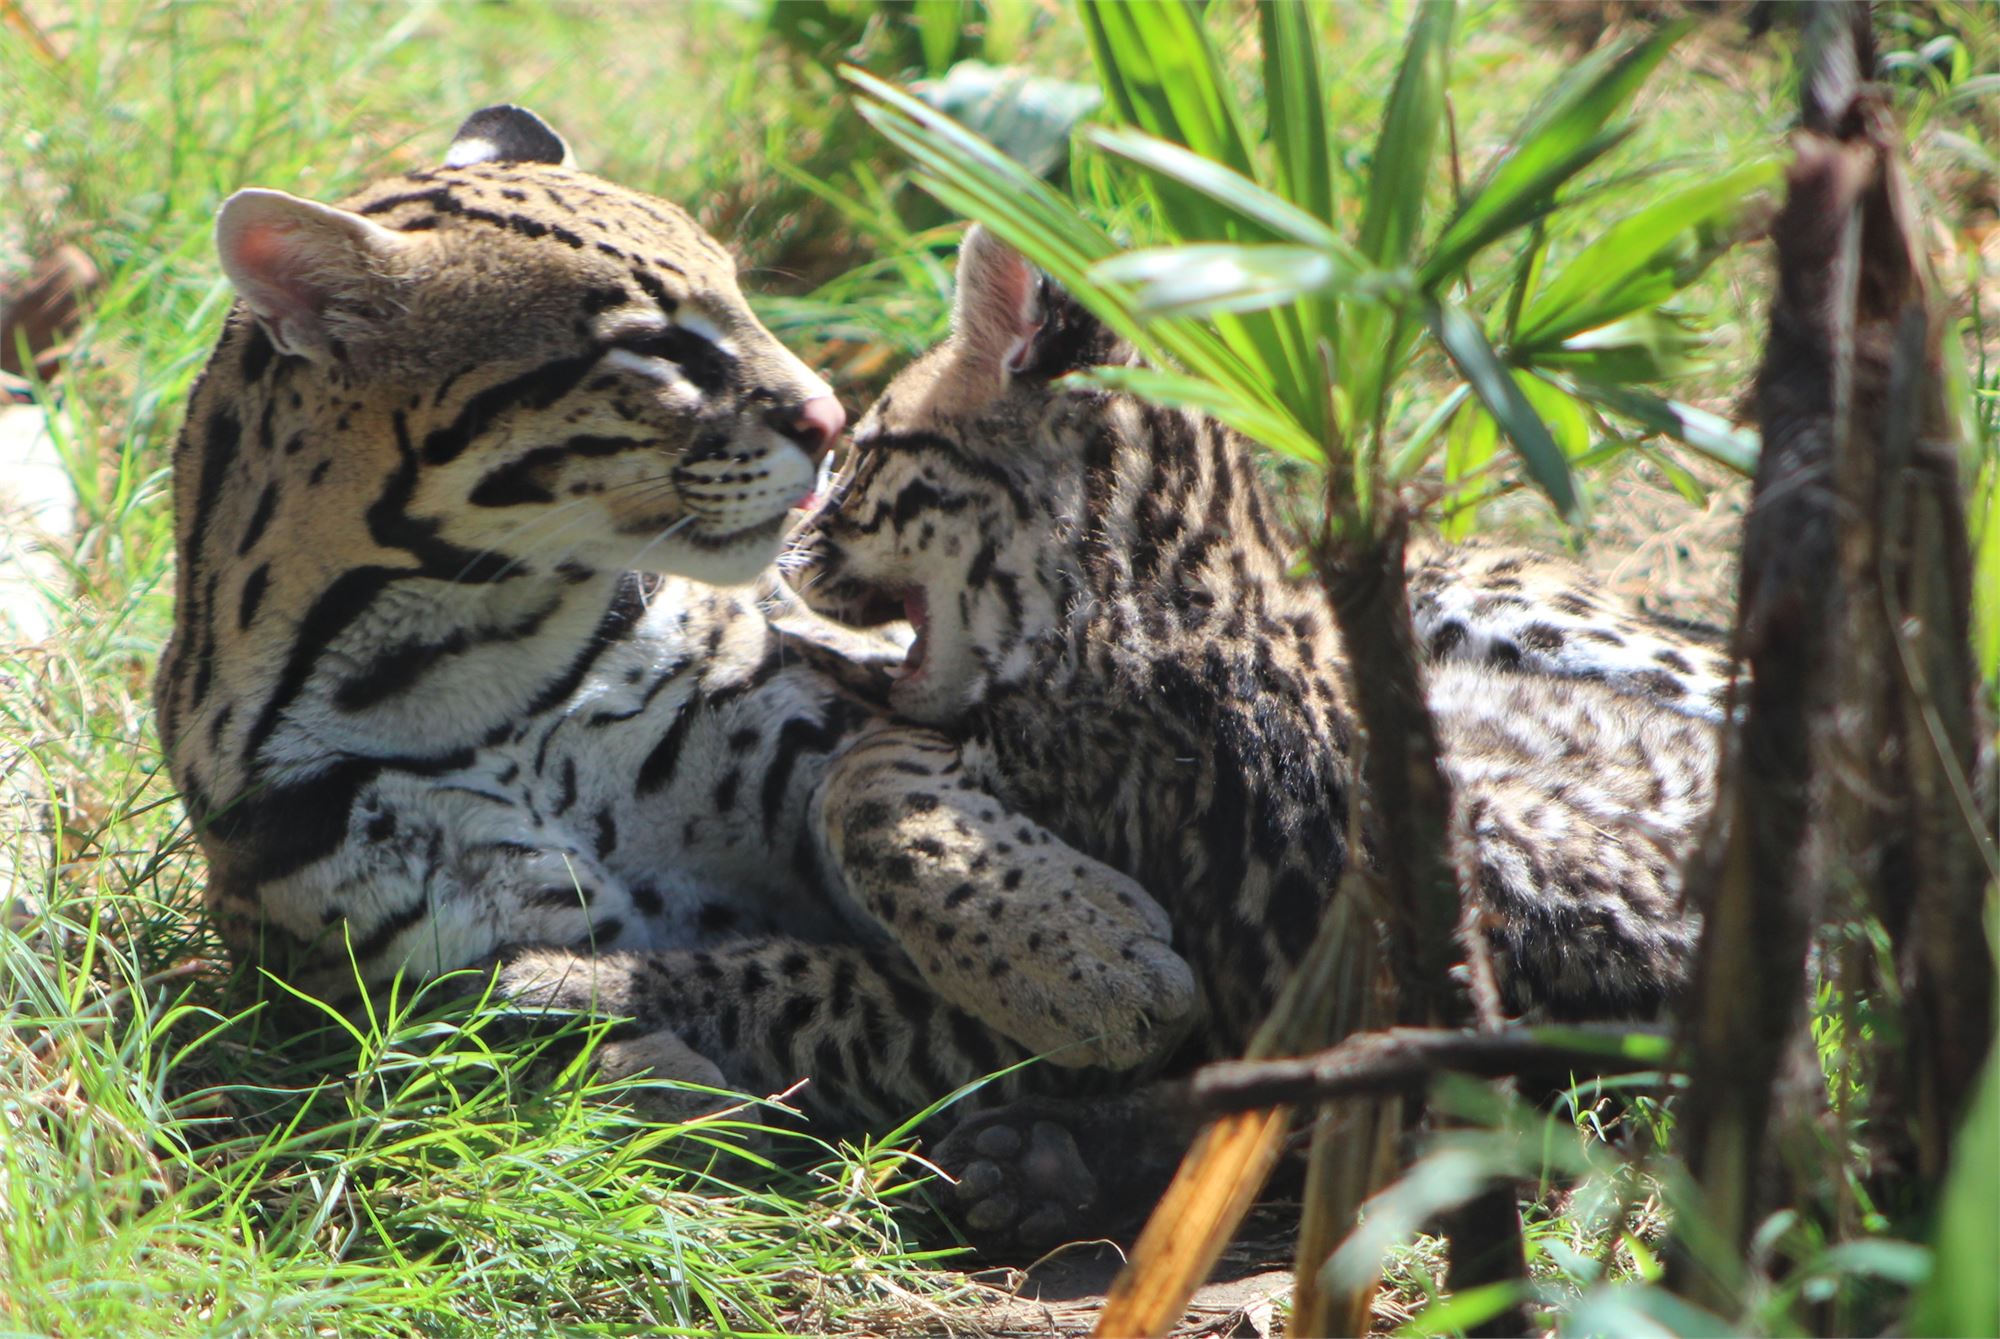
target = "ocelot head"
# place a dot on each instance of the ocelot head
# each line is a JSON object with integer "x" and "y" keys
{"x": 966, "y": 501}
{"x": 516, "y": 360}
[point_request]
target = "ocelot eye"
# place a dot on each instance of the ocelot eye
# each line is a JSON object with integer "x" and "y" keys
{"x": 698, "y": 359}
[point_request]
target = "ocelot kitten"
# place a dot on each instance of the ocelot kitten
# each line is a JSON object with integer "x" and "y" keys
{"x": 446, "y": 688}
{"x": 1106, "y": 631}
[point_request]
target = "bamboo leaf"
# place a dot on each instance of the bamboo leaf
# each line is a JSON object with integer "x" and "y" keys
{"x": 973, "y": 178}
{"x": 1410, "y": 456}
{"x": 1642, "y": 1313}
{"x": 1553, "y": 146}
{"x": 1203, "y": 279}
{"x": 1468, "y": 350}
{"x": 1296, "y": 107}
{"x": 939, "y": 25}
{"x": 1653, "y": 345}
{"x": 1162, "y": 74}
{"x": 1710, "y": 434}
{"x": 1271, "y": 215}
{"x": 1296, "y": 115}
{"x": 1468, "y": 448}
{"x": 1177, "y": 391}
{"x": 1900, "y": 1262}
{"x": 1275, "y": 340}
{"x": 1690, "y": 488}
{"x": 1962, "y": 1295}
{"x": 1063, "y": 241}
{"x": 1567, "y": 422}
{"x": 1218, "y": 276}
{"x": 1985, "y": 527}
{"x": 1636, "y": 1045}
{"x": 1373, "y": 340}
{"x": 1403, "y": 150}
{"x": 1642, "y": 260}
{"x": 1485, "y": 218}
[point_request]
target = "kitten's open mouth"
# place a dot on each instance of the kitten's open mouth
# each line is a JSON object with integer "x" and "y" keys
{"x": 863, "y": 604}
{"x": 917, "y": 611}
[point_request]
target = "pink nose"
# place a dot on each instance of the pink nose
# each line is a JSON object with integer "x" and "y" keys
{"x": 814, "y": 425}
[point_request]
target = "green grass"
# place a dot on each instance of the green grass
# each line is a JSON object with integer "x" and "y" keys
{"x": 174, "y": 1161}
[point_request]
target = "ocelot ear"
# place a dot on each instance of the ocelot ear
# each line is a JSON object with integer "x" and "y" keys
{"x": 1011, "y": 320}
{"x": 313, "y": 276}
{"x": 998, "y": 310}
{"x": 506, "y": 134}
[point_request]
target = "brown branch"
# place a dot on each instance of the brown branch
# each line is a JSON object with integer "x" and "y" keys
{"x": 1861, "y": 720}
{"x": 1403, "y": 1059}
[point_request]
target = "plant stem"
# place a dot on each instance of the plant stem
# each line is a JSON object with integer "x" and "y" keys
{"x": 1404, "y": 1059}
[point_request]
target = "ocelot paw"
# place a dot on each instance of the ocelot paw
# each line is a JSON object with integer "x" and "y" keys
{"x": 1022, "y": 1184}
{"x": 1111, "y": 1000}
{"x": 1043, "y": 1171}
{"x": 552, "y": 984}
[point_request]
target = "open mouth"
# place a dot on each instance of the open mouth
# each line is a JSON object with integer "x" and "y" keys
{"x": 917, "y": 611}
{"x": 822, "y": 486}
{"x": 871, "y": 606}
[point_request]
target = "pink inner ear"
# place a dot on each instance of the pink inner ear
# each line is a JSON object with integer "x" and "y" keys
{"x": 267, "y": 255}
{"x": 1023, "y": 351}
{"x": 259, "y": 247}
{"x": 1012, "y": 284}
{"x": 998, "y": 309}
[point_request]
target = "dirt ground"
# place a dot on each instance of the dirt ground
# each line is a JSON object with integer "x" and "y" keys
{"x": 1060, "y": 1296}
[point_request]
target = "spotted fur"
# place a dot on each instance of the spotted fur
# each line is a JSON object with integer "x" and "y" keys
{"x": 1107, "y": 626}
{"x": 1516, "y": 609}
{"x": 448, "y": 684}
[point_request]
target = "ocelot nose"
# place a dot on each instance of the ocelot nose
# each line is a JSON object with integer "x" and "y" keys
{"x": 814, "y": 425}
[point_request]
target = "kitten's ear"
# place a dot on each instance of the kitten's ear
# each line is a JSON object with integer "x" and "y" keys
{"x": 506, "y": 134}
{"x": 998, "y": 310}
{"x": 311, "y": 274}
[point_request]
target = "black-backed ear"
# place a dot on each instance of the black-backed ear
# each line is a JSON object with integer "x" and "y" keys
{"x": 1012, "y": 320}
{"x": 998, "y": 309}
{"x": 311, "y": 274}
{"x": 506, "y": 134}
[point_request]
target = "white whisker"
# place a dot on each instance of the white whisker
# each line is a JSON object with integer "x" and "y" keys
{"x": 504, "y": 544}
{"x": 664, "y": 534}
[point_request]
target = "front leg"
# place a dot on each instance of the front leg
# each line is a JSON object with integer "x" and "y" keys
{"x": 999, "y": 916}
{"x": 757, "y": 1016}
